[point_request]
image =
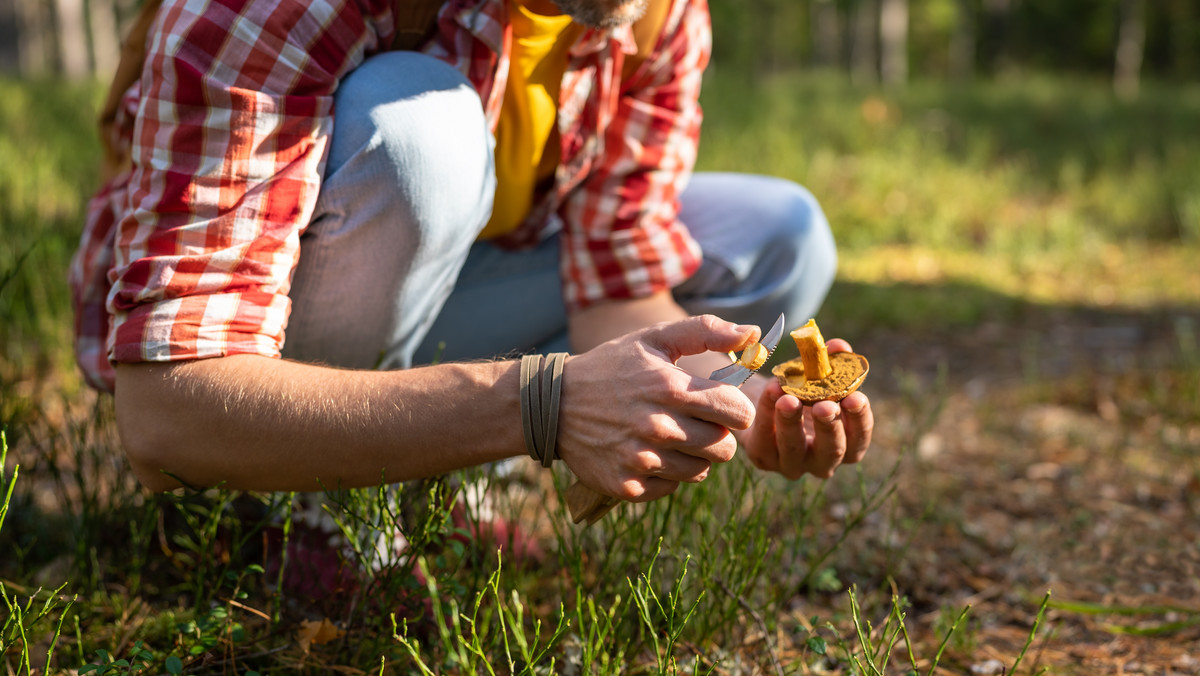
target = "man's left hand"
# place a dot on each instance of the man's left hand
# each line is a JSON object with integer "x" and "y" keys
{"x": 794, "y": 440}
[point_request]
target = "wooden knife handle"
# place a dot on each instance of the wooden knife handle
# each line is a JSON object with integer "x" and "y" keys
{"x": 586, "y": 504}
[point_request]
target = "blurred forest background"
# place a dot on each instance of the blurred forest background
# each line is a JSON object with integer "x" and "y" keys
{"x": 1015, "y": 190}
{"x": 885, "y": 41}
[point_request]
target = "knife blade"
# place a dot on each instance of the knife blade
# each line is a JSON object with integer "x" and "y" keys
{"x": 736, "y": 374}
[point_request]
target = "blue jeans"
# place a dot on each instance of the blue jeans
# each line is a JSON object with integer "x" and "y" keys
{"x": 390, "y": 273}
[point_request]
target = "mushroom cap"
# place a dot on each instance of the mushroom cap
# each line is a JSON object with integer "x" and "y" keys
{"x": 849, "y": 372}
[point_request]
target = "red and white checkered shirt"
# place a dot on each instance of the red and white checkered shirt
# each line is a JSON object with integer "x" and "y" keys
{"x": 189, "y": 254}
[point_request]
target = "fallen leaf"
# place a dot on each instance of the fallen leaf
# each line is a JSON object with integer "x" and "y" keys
{"x": 317, "y": 633}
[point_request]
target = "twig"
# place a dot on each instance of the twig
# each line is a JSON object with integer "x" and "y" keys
{"x": 758, "y": 619}
{"x": 18, "y": 588}
{"x": 248, "y": 609}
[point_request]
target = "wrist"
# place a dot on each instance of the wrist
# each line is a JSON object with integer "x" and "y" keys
{"x": 541, "y": 397}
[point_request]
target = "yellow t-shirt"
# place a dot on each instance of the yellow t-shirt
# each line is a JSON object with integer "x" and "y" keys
{"x": 526, "y": 135}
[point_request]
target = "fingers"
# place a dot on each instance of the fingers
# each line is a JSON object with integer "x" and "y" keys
{"x": 829, "y": 439}
{"x": 659, "y": 473}
{"x": 762, "y": 445}
{"x": 716, "y": 403}
{"x": 700, "y": 398}
{"x": 678, "y": 451}
{"x": 814, "y": 440}
{"x": 672, "y": 465}
{"x": 838, "y": 345}
{"x": 859, "y": 422}
{"x": 689, "y": 436}
{"x": 696, "y": 335}
{"x": 647, "y": 489}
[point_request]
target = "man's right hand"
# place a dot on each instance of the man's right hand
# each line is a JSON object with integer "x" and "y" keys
{"x": 634, "y": 425}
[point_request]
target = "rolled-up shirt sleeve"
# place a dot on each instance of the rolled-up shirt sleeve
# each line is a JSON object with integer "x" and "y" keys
{"x": 228, "y": 150}
{"x": 621, "y": 234}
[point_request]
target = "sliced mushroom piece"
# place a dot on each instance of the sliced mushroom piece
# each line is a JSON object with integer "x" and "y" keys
{"x": 754, "y": 356}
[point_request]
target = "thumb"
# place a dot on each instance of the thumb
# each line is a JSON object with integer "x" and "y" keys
{"x": 696, "y": 335}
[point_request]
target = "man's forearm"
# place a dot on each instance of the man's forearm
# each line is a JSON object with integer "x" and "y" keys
{"x": 256, "y": 423}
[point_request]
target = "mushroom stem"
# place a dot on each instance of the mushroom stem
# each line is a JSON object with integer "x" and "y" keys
{"x": 812, "y": 351}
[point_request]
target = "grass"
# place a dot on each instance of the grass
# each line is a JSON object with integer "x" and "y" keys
{"x": 985, "y": 220}
{"x": 1036, "y": 189}
{"x": 49, "y": 155}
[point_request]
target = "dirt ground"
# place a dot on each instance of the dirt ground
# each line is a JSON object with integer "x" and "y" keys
{"x": 1066, "y": 457}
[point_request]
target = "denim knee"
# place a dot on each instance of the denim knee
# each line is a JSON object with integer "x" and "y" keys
{"x": 767, "y": 248}
{"x": 418, "y": 128}
{"x": 803, "y": 245}
{"x": 407, "y": 186}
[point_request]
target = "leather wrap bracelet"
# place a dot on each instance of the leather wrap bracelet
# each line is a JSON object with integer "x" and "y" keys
{"x": 541, "y": 395}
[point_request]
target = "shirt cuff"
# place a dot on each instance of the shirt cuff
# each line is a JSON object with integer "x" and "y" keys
{"x": 199, "y": 327}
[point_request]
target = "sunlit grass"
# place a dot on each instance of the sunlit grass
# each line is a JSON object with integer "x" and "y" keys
{"x": 49, "y": 161}
{"x": 1111, "y": 275}
{"x": 1050, "y": 190}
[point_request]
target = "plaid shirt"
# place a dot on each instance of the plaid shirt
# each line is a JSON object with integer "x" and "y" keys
{"x": 189, "y": 254}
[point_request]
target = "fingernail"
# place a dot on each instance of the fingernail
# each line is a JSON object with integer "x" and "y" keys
{"x": 743, "y": 329}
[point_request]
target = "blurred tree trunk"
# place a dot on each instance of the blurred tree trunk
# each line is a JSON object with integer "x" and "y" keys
{"x": 826, "y": 33}
{"x": 997, "y": 24}
{"x": 962, "y": 43}
{"x": 864, "y": 47}
{"x": 32, "y": 37}
{"x": 72, "y": 38}
{"x": 766, "y": 20}
{"x": 127, "y": 11}
{"x": 1184, "y": 55}
{"x": 1131, "y": 45}
{"x": 106, "y": 45}
{"x": 10, "y": 57}
{"x": 893, "y": 38}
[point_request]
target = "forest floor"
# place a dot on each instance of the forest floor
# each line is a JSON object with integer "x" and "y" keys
{"x": 1060, "y": 454}
{"x": 1066, "y": 458}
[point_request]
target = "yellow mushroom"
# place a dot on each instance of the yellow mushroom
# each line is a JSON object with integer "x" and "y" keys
{"x": 817, "y": 375}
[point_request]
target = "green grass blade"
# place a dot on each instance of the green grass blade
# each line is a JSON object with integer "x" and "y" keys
{"x": 1037, "y": 621}
{"x": 946, "y": 640}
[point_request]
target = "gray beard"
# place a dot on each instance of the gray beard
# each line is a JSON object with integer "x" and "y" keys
{"x": 603, "y": 13}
